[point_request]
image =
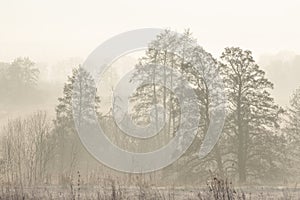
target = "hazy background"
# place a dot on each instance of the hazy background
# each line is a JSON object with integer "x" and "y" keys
{"x": 59, "y": 35}
{"x": 36, "y": 118}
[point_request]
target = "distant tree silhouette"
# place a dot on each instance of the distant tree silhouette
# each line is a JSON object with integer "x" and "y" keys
{"x": 18, "y": 79}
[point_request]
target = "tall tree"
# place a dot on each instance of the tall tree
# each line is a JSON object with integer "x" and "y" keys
{"x": 159, "y": 55}
{"x": 181, "y": 54}
{"x": 252, "y": 115}
{"x": 81, "y": 87}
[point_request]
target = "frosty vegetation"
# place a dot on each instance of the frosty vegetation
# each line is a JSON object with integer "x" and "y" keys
{"x": 260, "y": 143}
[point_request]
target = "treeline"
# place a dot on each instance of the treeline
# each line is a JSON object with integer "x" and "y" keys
{"x": 254, "y": 146}
{"x": 260, "y": 140}
{"x": 18, "y": 81}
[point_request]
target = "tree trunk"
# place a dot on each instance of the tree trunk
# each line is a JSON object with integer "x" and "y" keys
{"x": 241, "y": 139}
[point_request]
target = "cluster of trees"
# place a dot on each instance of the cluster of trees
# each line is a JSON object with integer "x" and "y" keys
{"x": 254, "y": 146}
{"x": 260, "y": 140}
{"x": 36, "y": 150}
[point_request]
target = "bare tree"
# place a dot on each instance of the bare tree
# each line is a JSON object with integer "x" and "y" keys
{"x": 27, "y": 149}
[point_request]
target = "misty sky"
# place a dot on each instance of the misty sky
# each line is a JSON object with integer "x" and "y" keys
{"x": 48, "y": 31}
{"x": 53, "y": 32}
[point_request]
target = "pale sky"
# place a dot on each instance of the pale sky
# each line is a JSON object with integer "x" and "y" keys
{"x": 48, "y": 31}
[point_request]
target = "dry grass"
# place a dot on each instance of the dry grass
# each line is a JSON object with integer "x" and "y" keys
{"x": 216, "y": 189}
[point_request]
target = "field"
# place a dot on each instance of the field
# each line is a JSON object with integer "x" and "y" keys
{"x": 214, "y": 190}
